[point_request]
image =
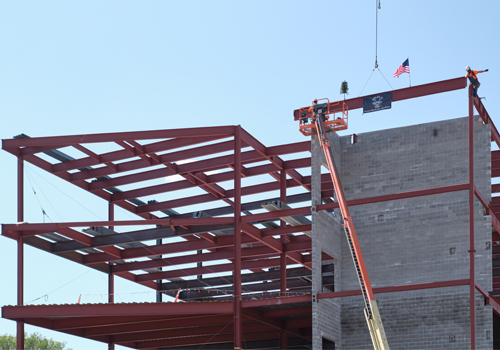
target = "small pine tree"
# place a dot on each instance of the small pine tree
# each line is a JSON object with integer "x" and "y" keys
{"x": 344, "y": 88}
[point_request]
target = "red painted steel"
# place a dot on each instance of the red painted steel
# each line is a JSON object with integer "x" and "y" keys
{"x": 237, "y": 241}
{"x": 403, "y": 94}
{"x": 284, "y": 239}
{"x": 264, "y": 253}
{"x": 20, "y": 251}
{"x": 62, "y": 141}
{"x": 120, "y": 309}
{"x": 472, "y": 250}
{"x": 393, "y": 289}
{"x": 495, "y": 136}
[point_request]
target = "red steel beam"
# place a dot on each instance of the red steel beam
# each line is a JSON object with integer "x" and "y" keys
{"x": 101, "y": 322}
{"x": 490, "y": 300}
{"x": 135, "y": 164}
{"x": 119, "y": 136}
{"x": 209, "y": 339}
{"x": 256, "y": 233}
{"x": 165, "y": 323}
{"x": 185, "y": 332}
{"x": 52, "y": 227}
{"x": 139, "y": 309}
{"x": 495, "y": 221}
{"x": 212, "y": 256}
{"x": 402, "y": 94}
{"x": 204, "y": 270}
{"x": 393, "y": 289}
{"x": 495, "y": 136}
{"x": 171, "y": 248}
{"x": 186, "y": 154}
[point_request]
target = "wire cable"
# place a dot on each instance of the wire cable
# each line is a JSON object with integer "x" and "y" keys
{"x": 136, "y": 241}
{"x": 385, "y": 79}
{"x": 366, "y": 82}
{"x": 99, "y": 217}
{"x": 215, "y": 335}
{"x": 46, "y": 296}
{"x": 376, "y": 30}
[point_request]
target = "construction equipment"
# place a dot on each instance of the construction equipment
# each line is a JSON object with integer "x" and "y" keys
{"x": 321, "y": 124}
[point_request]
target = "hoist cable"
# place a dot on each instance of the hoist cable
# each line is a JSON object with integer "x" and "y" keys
{"x": 376, "y": 30}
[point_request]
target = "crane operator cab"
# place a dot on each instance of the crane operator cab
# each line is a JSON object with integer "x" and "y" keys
{"x": 333, "y": 115}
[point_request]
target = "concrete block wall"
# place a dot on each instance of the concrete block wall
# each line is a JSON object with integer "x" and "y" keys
{"x": 416, "y": 240}
{"x": 327, "y": 234}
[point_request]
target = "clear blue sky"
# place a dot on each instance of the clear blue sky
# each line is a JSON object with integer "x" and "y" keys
{"x": 77, "y": 67}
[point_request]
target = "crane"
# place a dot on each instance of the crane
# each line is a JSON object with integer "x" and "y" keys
{"x": 321, "y": 124}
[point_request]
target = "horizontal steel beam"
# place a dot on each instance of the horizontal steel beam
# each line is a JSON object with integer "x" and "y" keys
{"x": 139, "y": 309}
{"x": 119, "y": 136}
{"x": 401, "y": 94}
{"x": 245, "y": 278}
{"x": 402, "y": 288}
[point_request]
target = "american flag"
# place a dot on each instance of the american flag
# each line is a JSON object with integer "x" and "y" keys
{"x": 404, "y": 68}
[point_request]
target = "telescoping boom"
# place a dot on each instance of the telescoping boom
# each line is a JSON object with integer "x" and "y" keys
{"x": 321, "y": 124}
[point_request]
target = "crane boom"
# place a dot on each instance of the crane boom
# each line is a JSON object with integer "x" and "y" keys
{"x": 371, "y": 311}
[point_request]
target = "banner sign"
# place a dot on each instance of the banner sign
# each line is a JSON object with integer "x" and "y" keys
{"x": 376, "y": 103}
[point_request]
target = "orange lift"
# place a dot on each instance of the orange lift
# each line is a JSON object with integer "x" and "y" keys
{"x": 324, "y": 118}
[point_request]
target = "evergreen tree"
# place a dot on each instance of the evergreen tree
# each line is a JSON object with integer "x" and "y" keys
{"x": 344, "y": 88}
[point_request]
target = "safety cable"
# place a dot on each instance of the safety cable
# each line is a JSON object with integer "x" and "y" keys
{"x": 99, "y": 217}
{"x": 146, "y": 246}
{"x": 44, "y": 213}
{"x": 215, "y": 335}
{"x": 46, "y": 296}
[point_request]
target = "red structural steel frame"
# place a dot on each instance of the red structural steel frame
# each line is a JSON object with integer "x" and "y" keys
{"x": 251, "y": 307}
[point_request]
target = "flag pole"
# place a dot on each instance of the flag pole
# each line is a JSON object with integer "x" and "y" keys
{"x": 409, "y": 75}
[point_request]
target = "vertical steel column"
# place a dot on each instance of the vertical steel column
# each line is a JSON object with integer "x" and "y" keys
{"x": 111, "y": 214}
{"x": 111, "y": 280}
{"x": 111, "y": 285}
{"x": 237, "y": 239}
{"x": 111, "y": 344}
{"x": 283, "y": 237}
{"x": 284, "y": 240}
{"x": 159, "y": 293}
{"x": 111, "y": 276}
{"x": 20, "y": 251}
{"x": 472, "y": 276}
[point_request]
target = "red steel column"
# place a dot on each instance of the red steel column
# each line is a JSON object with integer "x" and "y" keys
{"x": 237, "y": 239}
{"x": 111, "y": 276}
{"x": 111, "y": 285}
{"x": 284, "y": 240}
{"x": 283, "y": 237}
{"x": 472, "y": 276}
{"x": 20, "y": 251}
{"x": 111, "y": 214}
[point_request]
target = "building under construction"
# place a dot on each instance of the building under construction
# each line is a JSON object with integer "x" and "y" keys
{"x": 263, "y": 261}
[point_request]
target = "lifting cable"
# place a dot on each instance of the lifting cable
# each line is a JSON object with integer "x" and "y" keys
{"x": 377, "y": 7}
